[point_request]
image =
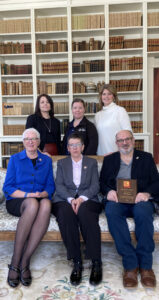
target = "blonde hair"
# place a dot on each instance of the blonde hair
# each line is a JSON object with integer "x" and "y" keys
{"x": 112, "y": 89}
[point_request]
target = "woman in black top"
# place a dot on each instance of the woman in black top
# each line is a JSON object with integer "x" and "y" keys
{"x": 84, "y": 127}
{"x": 48, "y": 126}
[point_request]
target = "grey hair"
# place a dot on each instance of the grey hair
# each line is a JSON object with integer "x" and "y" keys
{"x": 30, "y": 130}
{"x": 124, "y": 130}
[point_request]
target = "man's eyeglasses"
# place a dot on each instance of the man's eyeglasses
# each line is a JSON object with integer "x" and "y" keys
{"x": 30, "y": 140}
{"x": 75, "y": 145}
{"x": 121, "y": 141}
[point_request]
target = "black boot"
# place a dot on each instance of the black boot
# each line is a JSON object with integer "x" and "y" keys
{"x": 96, "y": 273}
{"x": 76, "y": 274}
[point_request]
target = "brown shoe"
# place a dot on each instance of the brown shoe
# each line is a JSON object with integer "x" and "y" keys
{"x": 130, "y": 279}
{"x": 148, "y": 278}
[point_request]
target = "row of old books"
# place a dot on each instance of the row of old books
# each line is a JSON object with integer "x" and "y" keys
{"x": 153, "y": 19}
{"x": 5, "y": 162}
{"x": 17, "y": 88}
{"x": 121, "y": 85}
{"x": 44, "y": 87}
{"x": 128, "y": 19}
{"x": 88, "y": 21}
{"x": 137, "y": 126}
{"x": 14, "y": 108}
{"x": 92, "y": 107}
{"x": 18, "y": 129}
{"x": 122, "y": 19}
{"x": 124, "y": 85}
{"x": 131, "y": 105}
{"x": 139, "y": 145}
{"x": 14, "y": 48}
{"x": 82, "y": 87}
{"x": 61, "y": 107}
{"x": 63, "y": 125}
{"x": 153, "y": 45}
{"x": 11, "y": 148}
{"x": 13, "y": 129}
{"x": 15, "y": 69}
{"x": 118, "y": 42}
{"x": 89, "y": 66}
{"x": 115, "y": 42}
{"x": 15, "y": 25}
{"x": 55, "y": 67}
{"x": 51, "y": 24}
{"x": 79, "y": 87}
{"x": 52, "y": 46}
{"x": 88, "y": 46}
{"x": 130, "y": 63}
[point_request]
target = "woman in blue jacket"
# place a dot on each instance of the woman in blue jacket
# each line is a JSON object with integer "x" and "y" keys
{"x": 28, "y": 188}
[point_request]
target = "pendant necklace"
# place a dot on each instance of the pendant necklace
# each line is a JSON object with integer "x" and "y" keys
{"x": 48, "y": 127}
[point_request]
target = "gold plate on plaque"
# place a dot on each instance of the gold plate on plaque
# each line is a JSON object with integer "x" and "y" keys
{"x": 126, "y": 190}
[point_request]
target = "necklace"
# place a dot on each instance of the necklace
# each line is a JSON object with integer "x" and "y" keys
{"x": 47, "y": 126}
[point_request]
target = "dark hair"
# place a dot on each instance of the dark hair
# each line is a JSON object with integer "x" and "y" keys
{"x": 77, "y": 100}
{"x": 112, "y": 89}
{"x": 75, "y": 135}
{"x": 37, "y": 107}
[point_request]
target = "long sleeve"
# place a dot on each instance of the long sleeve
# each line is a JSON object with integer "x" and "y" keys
{"x": 9, "y": 186}
{"x": 22, "y": 175}
{"x": 92, "y": 142}
{"x": 62, "y": 190}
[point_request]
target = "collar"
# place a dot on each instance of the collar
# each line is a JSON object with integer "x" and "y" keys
{"x": 82, "y": 122}
{"x": 79, "y": 163}
{"x": 23, "y": 155}
{"x": 112, "y": 104}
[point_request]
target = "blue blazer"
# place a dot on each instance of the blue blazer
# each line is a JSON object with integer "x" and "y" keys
{"x": 22, "y": 175}
{"x": 143, "y": 169}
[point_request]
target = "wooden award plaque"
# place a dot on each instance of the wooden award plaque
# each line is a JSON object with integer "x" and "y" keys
{"x": 126, "y": 190}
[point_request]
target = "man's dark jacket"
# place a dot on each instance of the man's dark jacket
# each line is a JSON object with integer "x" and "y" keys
{"x": 143, "y": 169}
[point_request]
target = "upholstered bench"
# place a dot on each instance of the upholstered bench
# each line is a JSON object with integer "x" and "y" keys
{"x": 8, "y": 223}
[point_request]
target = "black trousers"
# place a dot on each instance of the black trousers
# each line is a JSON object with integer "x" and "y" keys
{"x": 87, "y": 221}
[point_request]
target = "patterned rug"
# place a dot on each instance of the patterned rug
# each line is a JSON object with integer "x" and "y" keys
{"x": 51, "y": 271}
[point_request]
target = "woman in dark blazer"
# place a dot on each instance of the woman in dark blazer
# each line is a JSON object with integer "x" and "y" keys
{"x": 48, "y": 126}
{"x": 76, "y": 205}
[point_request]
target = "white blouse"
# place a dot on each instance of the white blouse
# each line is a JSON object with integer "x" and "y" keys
{"x": 110, "y": 120}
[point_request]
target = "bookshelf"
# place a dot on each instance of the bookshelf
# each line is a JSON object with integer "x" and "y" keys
{"x": 68, "y": 49}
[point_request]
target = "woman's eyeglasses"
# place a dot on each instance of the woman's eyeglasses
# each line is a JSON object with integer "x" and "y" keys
{"x": 30, "y": 139}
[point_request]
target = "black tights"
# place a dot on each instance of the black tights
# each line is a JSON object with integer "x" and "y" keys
{"x": 31, "y": 227}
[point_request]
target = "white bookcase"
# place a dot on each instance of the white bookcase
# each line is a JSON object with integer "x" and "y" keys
{"x": 73, "y": 14}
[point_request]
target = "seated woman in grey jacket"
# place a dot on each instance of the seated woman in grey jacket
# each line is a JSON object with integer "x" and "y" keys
{"x": 76, "y": 206}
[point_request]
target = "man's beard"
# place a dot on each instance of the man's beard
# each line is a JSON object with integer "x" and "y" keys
{"x": 126, "y": 151}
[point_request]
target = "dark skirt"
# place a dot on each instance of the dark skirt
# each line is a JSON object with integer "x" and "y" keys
{"x": 13, "y": 206}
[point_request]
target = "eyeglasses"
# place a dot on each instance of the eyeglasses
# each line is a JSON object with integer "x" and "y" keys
{"x": 75, "y": 145}
{"x": 30, "y": 140}
{"x": 128, "y": 139}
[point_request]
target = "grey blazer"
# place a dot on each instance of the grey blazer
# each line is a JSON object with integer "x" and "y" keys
{"x": 65, "y": 186}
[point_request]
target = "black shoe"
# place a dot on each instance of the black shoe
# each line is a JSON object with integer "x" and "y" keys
{"x": 13, "y": 282}
{"x": 96, "y": 273}
{"x": 25, "y": 280}
{"x": 76, "y": 274}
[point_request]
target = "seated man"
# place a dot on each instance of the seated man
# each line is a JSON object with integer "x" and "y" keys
{"x": 76, "y": 205}
{"x": 129, "y": 163}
